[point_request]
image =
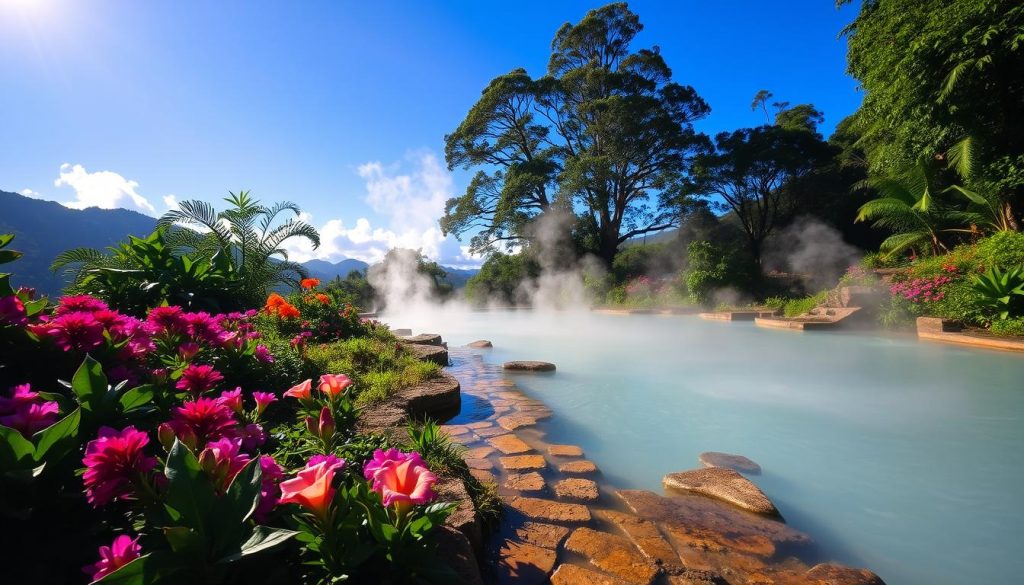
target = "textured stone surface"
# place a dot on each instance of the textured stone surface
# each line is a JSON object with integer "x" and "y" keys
{"x": 612, "y": 554}
{"x": 480, "y": 344}
{"x": 422, "y": 339}
{"x": 529, "y": 366}
{"x": 581, "y": 467}
{"x": 723, "y": 484}
{"x": 833, "y": 574}
{"x": 515, "y": 421}
{"x": 524, "y": 564}
{"x": 729, "y": 461}
{"x": 479, "y": 452}
{"x": 646, "y": 536}
{"x": 483, "y": 464}
{"x": 538, "y": 509}
{"x": 565, "y": 451}
{"x": 525, "y": 482}
{"x": 542, "y": 535}
{"x": 464, "y": 517}
{"x": 567, "y": 574}
{"x": 455, "y": 551}
{"x": 517, "y": 462}
{"x": 430, "y": 353}
{"x": 577, "y": 489}
{"x": 509, "y": 444}
{"x": 483, "y": 475}
{"x": 439, "y": 398}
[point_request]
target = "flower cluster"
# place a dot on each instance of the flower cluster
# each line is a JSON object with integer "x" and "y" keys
{"x": 921, "y": 290}
{"x": 26, "y": 411}
{"x": 277, "y": 305}
{"x": 639, "y": 286}
{"x": 115, "y": 465}
{"x": 401, "y": 479}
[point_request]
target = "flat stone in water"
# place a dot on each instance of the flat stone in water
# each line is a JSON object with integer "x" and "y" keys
{"x": 523, "y": 563}
{"x": 723, "y": 484}
{"x": 567, "y": 574}
{"x": 480, "y": 344}
{"x": 529, "y": 366}
{"x": 515, "y": 421}
{"x": 482, "y": 464}
{"x": 517, "y": 462}
{"x": 577, "y": 489}
{"x": 479, "y": 452}
{"x": 646, "y": 536}
{"x": 525, "y": 482}
{"x": 613, "y": 554}
{"x": 833, "y": 574}
{"x": 729, "y": 461}
{"x": 542, "y": 535}
{"x": 581, "y": 467}
{"x": 565, "y": 451}
{"x": 509, "y": 444}
{"x": 551, "y": 511}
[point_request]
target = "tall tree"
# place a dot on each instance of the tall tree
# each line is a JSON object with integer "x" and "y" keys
{"x": 605, "y": 133}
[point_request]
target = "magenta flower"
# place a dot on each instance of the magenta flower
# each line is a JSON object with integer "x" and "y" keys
{"x": 12, "y": 311}
{"x": 168, "y": 320}
{"x": 205, "y": 418}
{"x": 79, "y": 303}
{"x": 333, "y": 461}
{"x": 26, "y": 412}
{"x": 232, "y": 399}
{"x": 188, "y": 350}
{"x": 263, "y": 400}
{"x": 253, "y": 437}
{"x": 271, "y": 475}
{"x": 381, "y": 458}
{"x": 402, "y": 479}
{"x": 114, "y": 462}
{"x": 204, "y": 326}
{"x": 263, "y": 354}
{"x": 78, "y": 330}
{"x": 198, "y": 379}
{"x": 222, "y": 460}
{"x": 122, "y": 551}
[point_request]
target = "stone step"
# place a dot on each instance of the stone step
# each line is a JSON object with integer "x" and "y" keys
{"x": 612, "y": 554}
{"x": 521, "y": 563}
{"x": 509, "y": 444}
{"x": 525, "y": 482}
{"x": 581, "y": 467}
{"x": 551, "y": 511}
{"x": 577, "y": 489}
{"x": 523, "y": 462}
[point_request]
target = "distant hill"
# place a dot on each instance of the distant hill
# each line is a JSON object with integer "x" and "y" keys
{"x": 325, "y": 270}
{"x": 459, "y": 276}
{"x": 44, "y": 229}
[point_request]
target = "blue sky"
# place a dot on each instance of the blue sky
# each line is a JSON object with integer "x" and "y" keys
{"x": 339, "y": 106}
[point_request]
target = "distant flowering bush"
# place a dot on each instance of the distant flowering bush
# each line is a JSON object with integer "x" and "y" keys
{"x": 921, "y": 290}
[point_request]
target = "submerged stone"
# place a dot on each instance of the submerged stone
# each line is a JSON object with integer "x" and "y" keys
{"x": 480, "y": 344}
{"x": 529, "y": 366}
{"x": 565, "y": 451}
{"x": 517, "y": 462}
{"x": 646, "y": 536}
{"x": 523, "y": 563}
{"x": 833, "y": 574}
{"x": 542, "y": 535}
{"x": 539, "y": 509}
{"x": 577, "y": 489}
{"x": 525, "y": 482}
{"x": 509, "y": 444}
{"x": 723, "y": 484}
{"x": 582, "y": 466}
{"x": 613, "y": 554}
{"x": 729, "y": 461}
{"x": 567, "y": 574}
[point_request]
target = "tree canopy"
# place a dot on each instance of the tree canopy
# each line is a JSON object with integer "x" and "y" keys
{"x": 605, "y": 133}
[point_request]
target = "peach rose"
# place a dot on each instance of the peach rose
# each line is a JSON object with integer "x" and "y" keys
{"x": 334, "y": 384}
{"x": 311, "y": 488}
{"x": 404, "y": 482}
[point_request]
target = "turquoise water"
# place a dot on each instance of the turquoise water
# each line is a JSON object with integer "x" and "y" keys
{"x": 900, "y": 456}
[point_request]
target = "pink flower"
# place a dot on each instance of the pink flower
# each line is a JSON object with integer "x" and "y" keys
{"x": 198, "y": 379}
{"x": 170, "y": 320}
{"x": 188, "y": 350}
{"x": 381, "y": 458}
{"x": 300, "y": 390}
{"x": 333, "y": 461}
{"x": 404, "y": 481}
{"x": 205, "y": 418}
{"x": 79, "y": 303}
{"x": 114, "y": 462}
{"x": 203, "y": 326}
{"x": 12, "y": 311}
{"x": 334, "y": 384}
{"x": 324, "y": 427}
{"x": 122, "y": 551}
{"x": 222, "y": 460}
{"x": 253, "y": 436}
{"x": 26, "y": 412}
{"x": 271, "y": 474}
{"x": 263, "y": 400}
{"x": 232, "y": 399}
{"x": 77, "y": 330}
{"x": 263, "y": 354}
{"x": 311, "y": 488}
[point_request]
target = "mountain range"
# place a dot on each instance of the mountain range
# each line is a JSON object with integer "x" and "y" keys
{"x": 44, "y": 229}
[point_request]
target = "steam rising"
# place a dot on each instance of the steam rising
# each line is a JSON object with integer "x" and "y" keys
{"x": 813, "y": 249}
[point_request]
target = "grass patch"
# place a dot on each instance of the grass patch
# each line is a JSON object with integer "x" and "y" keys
{"x": 378, "y": 365}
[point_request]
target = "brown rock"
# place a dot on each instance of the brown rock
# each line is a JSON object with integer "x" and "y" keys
{"x": 542, "y": 535}
{"x": 612, "y": 554}
{"x": 565, "y": 451}
{"x": 525, "y": 482}
{"x": 479, "y": 452}
{"x": 422, "y": 339}
{"x": 464, "y": 518}
{"x": 430, "y": 353}
{"x": 538, "y": 509}
{"x": 483, "y": 475}
{"x": 528, "y": 366}
{"x": 483, "y": 424}
{"x": 438, "y": 398}
{"x": 517, "y": 462}
{"x": 575, "y": 575}
{"x": 729, "y": 461}
{"x": 833, "y": 574}
{"x": 490, "y": 432}
{"x": 480, "y": 344}
{"x": 514, "y": 421}
{"x": 522, "y": 563}
{"x": 646, "y": 536}
{"x": 482, "y": 464}
{"x": 509, "y": 444}
{"x": 455, "y": 551}
{"x": 696, "y": 577}
{"x": 577, "y": 489}
{"x": 581, "y": 467}
{"x": 723, "y": 484}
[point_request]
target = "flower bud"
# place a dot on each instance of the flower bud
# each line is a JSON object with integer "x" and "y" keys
{"x": 327, "y": 426}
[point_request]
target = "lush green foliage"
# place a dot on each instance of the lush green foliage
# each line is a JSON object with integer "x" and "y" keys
{"x": 711, "y": 268}
{"x": 379, "y": 365}
{"x": 501, "y": 279}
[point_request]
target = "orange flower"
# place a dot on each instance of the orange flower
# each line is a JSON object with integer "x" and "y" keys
{"x": 274, "y": 303}
{"x": 300, "y": 390}
{"x": 334, "y": 384}
{"x": 288, "y": 311}
{"x": 323, "y": 298}
{"x": 309, "y": 282}
{"x": 311, "y": 489}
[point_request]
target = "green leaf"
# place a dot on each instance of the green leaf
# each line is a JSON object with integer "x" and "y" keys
{"x": 5, "y": 239}
{"x": 5, "y": 285}
{"x": 9, "y": 256}
{"x": 188, "y": 490}
{"x": 244, "y": 492}
{"x": 136, "y": 397}
{"x": 57, "y": 439}
{"x": 131, "y": 574}
{"x": 89, "y": 384}
{"x": 184, "y": 540}
{"x": 263, "y": 538}
{"x": 15, "y": 450}
{"x": 33, "y": 308}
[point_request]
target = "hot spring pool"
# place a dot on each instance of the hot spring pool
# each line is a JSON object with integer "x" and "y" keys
{"x": 903, "y": 457}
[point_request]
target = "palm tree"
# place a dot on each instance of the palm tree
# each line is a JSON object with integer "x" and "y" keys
{"x": 246, "y": 233}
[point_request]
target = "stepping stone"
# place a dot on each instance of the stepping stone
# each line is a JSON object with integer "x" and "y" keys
{"x": 565, "y": 451}
{"x": 514, "y": 421}
{"x": 833, "y": 574}
{"x": 478, "y": 453}
{"x": 646, "y": 536}
{"x": 483, "y": 475}
{"x": 582, "y": 466}
{"x": 490, "y": 432}
{"x": 480, "y": 344}
{"x": 577, "y": 489}
{"x": 723, "y": 484}
{"x": 528, "y": 366}
{"x": 567, "y": 574}
{"x": 542, "y": 535}
{"x": 517, "y": 462}
{"x": 612, "y": 554}
{"x": 538, "y": 509}
{"x": 482, "y": 464}
{"x": 480, "y": 424}
{"x": 509, "y": 444}
{"x": 525, "y": 482}
{"x": 523, "y": 563}
{"x": 729, "y": 461}
{"x": 455, "y": 431}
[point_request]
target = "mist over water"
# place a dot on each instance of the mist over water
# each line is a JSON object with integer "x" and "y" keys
{"x": 896, "y": 455}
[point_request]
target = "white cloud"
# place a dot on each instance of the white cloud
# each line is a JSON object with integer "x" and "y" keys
{"x": 171, "y": 201}
{"x": 411, "y": 204}
{"x": 32, "y": 194}
{"x": 103, "y": 189}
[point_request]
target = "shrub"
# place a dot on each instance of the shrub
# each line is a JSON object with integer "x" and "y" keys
{"x": 1008, "y": 327}
{"x": 712, "y": 268}
{"x": 794, "y": 307}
